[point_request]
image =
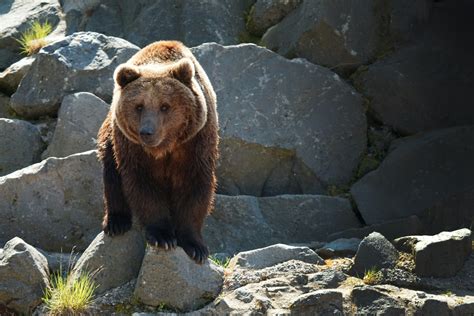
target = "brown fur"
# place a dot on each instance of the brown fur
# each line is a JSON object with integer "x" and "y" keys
{"x": 158, "y": 146}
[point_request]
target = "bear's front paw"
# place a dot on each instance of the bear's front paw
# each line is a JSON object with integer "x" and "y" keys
{"x": 194, "y": 249}
{"x": 161, "y": 237}
{"x": 114, "y": 225}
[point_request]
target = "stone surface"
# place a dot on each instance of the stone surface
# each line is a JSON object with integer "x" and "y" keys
{"x": 20, "y": 144}
{"x": 55, "y": 205}
{"x": 79, "y": 119}
{"x": 4, "y": 106}
{"x": 16, "y": 17}
{"x": 441, "y": 255}
{"x": 285, "y": 125}
{"x": 23, "y": 276}
{"x": 219, "y": 21}
{"x": 320, "y": 302}
{"x": 271, "y": 255}
{"x": 421, "y": 173}
{"x": 432, "y": 306}
{"x": 112, "y": 261}
{"x": 404, "y": 88}
{"x": 372, "y": 301}
{"x": 173, "y": 279}
{"x": 11, "y": 77}
{"x": 375, "y": 252}
{"x": 240, "y": 223}
{"x": 340, "y": 247}
{"x": 84, "y": 61}
{"x": 266, "y": 13}
{"x": 329, "y": 278}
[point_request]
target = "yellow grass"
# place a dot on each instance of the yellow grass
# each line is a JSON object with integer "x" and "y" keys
{"x": 33, "y": 39}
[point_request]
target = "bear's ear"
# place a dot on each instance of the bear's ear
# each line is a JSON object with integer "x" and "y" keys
{"x": 124, "y": 74}
{"x": 183, "y": 70}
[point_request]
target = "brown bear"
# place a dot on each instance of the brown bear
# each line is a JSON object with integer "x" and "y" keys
{"x": 158, "y": 147}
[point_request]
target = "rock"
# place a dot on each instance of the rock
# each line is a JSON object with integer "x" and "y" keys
{"x": 372, "y": 301}
{"x": 432, "y": 306}
{"x": 421, "y": 173}
{"x": 400, "y": 278}
{"x": 404, "y": 88}
{"x": 391, "y": 229}
{"x": 441, "y": 255}
{"x": 271, "y": 255}
{"x": 4, "y": 106}
{"x": 329, "y": 278}
{"x": 463, "y": 308}
{"x": 55, "y": 204}
{"x": 375, "y": 252}
{"x": 407, "y": 18}
{"x": 79, "y": 119}
{"x": 11, "y": 77}
{"x": 339, "y": 247}
{"x": 266, "y": 13}
{"x": 16, "y": 17}
{"x": 286, "y": 125}
{"x": 23, "y": 276}
{"x": 21, "y": 145}
{"x": 320, "y": 302}
{"x": 173, "y": 279}
{"x": 59, "y": 262}
{"x": 219, "y": 21}
{"x": 84, "y": 61}
{"x": 112, "y": 261}
{"x": 240, "y": 223}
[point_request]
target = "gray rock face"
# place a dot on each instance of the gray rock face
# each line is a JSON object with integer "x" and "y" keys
{"x": 374, "y": 252}
{"x": 285, "y": 124}
{"x": 420, "y": 174}
{"x": 147, "y": 21}
{"x": 23, "y": 276}
{"x": 271, "y": 255}
{"x": 173, "y": 279}
{"x": 341, "y": 247}
{"x": 240, "y": 223}
{"x": 320, "y": 302}
{"x": 112, "y": 261}
{"x": 79, "y": 119}
{"x": 59, "y": 201}
{"x": 80, "y": 62}
{"x": 266, "y": 13}
{"x": 10, "y": 78}
{"x": 16, "y": 17}
{"x": 441, "y": 255}
{"x": 370, "y": 300}
{"x": 20, "y": 144}
{"x": 329, "y": 278}
{"x": 4, "y": 106}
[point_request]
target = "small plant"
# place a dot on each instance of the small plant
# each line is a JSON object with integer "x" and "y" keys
{"x": 448, "y": 293}
{"x": 220, "y": 262}
{"x": 33, "y": 39}
{"x": 372, "y": 276}
{"x": 69, "y": 296}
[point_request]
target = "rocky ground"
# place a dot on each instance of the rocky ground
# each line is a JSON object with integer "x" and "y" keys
{"x": 337, "y": 120}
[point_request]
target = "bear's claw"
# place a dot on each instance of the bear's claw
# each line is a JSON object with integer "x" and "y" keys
{"x": 195, "y": 250}
{"x": 163, "y": 238}
{"x": 116, "y": 225}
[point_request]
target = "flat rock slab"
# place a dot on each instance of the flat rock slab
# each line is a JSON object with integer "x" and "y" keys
{"x": 11, "y": 77}
{"x": 419, "y": 176}
{"x": 240, "y": 223}
{"x": 271, "y": 255}
{"x": 173, "y": 279}
{"x": 340, "y": 247}
{"x": 112, "y": 261}
{"x": 23, "y": 276}
{"x": 55, "y": 204}
{"x": 84, "y": 61}
{"x": 320, "y": 302}
{"x": 370, "y": 300}
{"x": 441, "y": 255}
{"x": 286, "y": 125}
{"x": 20, "y": 143}
{"x": 79, "y": 119}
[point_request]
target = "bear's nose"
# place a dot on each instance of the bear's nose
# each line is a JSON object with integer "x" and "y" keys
{"x": 146, "y": 131}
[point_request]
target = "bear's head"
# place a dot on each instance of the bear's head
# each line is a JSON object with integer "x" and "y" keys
{"x": 158, "y": 106}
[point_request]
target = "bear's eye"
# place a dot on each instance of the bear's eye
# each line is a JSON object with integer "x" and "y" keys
{"x": 139, "y": 108}
{"x": 164, "y": 107}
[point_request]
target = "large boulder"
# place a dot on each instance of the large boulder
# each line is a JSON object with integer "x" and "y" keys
{"x": 16, "y": 17}
{"x": 320, "y": 302}
{"x": 420, "y": 175}
{"x": 286, "y": 125}
{"x": 112, "y": 261}
{"x": 55, "y": 204}
{"x": 240, "y": 223}
{"x": 368, "y": 300}
{"x": 79, "y": 119}
{"x": 143, "y": 22}
{"x": 23, "y": 276}
{"x": 4, "y": 106}
{"x": 417, "y": 88}
{"x": 84, "y": 61}
{"x": 20, "y": 144}
{"x": 266, "y": 13}
{"x": 173, "y": 279}
{"x": 11, "y": 77}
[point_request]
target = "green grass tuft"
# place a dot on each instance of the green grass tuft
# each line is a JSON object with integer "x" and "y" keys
{"x": 220, "y": 262}
{"x": 372, "y": 276}
{"x": 69, "y": 296}
{"x": 33, "y": 39}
